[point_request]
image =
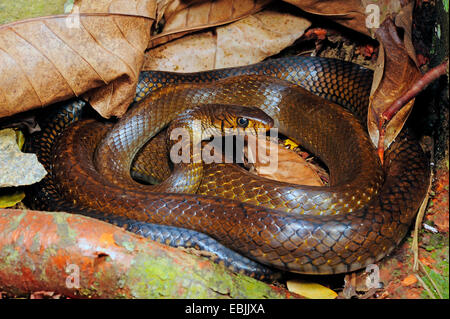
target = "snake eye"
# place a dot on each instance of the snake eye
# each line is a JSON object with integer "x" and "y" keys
{"x": 242, "y": 122}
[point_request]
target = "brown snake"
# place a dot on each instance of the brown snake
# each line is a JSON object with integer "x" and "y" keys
{"x": 356, "y": 221}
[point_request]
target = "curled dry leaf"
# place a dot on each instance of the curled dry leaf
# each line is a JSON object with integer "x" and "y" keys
{"x": 183, "y": 17}
{"x": 350, "y": 13}
{"x": 395, "y": 72}
{"x": 273, "y": 161}
{"x": 246, "y": 41}
{"x": 51, "y": 59}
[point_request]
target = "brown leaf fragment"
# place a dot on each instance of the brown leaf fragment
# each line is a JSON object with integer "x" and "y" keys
{"x": 144, "y": 8}
{"x": 183, "y": 17}
{"x": 409, "y": 280}
{"x": 272, "y": 160}
{"x": 349, "y": 13}
{"x": 246, "y": 41}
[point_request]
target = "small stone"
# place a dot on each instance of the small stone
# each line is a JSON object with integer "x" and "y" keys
{"x": 17, "y": 168}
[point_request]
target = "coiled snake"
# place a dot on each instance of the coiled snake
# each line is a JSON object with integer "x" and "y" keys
{"x": 356, "y": 221}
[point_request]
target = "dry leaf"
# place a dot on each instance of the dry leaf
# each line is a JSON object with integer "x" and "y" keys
{"x": 281, "y": 164}
{"x": 46, "y": 60}
{"x": 244, "y": 42}
{"x": 310, "y": 290}
{"x": 350, "y": 13}
{"x": 394, "y": 74}
{"x": 409, "y": 280}
{"x": 183, "y": 17}
{"x": 144, "y": 8}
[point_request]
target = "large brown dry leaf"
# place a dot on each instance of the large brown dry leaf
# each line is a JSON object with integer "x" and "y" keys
{"x": 247, "y": 41}
{"x": 396, "y": 71}
{"x": 45, "y": 60}
{"x": 183, "y": 17}
{"x": 144, "y": 8}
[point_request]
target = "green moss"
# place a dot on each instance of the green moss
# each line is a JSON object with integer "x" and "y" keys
{"x": 15, "y": 221}
{"x": 68, "y": 236}
{"x": 12, "y": 10}
{"x": 440, "y": 279}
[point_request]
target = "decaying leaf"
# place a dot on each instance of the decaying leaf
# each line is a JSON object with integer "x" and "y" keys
{"x": 144, "y": 8}
{"x": 310, "y": 290}
{"x": 246, "y": 41}
{"x": 272, "y": 160}
{"x": 409, "y": 280}
{"x": 17, "y": 168}
{"x": 350, "y": 13}
{"x": 46, "y": 60}
{"x": 183, "y": 17}
{"x": 394, "y": 74}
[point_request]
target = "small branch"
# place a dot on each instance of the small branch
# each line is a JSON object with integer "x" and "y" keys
{"x": 419, "y": 218}
{"x": 398, "y": 104}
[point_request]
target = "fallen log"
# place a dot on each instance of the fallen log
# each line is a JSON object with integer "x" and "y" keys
{"x": 82, "y": 257}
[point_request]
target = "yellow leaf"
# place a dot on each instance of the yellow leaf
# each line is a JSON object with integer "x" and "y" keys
{"x": 310, "y": 289}
{"x": 20, "y": 138}
{"x": 9, "y": 200}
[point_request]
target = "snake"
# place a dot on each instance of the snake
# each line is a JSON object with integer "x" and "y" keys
{"x": 247, "y": 220}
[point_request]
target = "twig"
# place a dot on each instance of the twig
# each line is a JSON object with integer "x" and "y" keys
{"x": 393, "y": 109}
{"x": 419, "y": 218}
{"x": 425, "y": 286}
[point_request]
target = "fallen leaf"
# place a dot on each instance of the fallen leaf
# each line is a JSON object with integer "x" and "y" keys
{"x": 409, "y": 280}
{"x": 394, "y": 74}
{"x": 17, "y": 168}
{"x": 183, "y": 17}
{"x": 9, "y": 198}
{"x": 51, "y": 59}
{"x": 427, "y": 261}
{"x": 244, "y": 42}
{"x": 143, "y": 8}
{"x": 310, "y": 290}
{"x": 281, "y": 164}
{"x": 350, "y": 13}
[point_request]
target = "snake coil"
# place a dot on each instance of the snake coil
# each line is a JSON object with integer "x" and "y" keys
{"x": 357, "y": 221}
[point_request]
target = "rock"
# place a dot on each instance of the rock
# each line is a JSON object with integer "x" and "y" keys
{"x": 17, "y": 168}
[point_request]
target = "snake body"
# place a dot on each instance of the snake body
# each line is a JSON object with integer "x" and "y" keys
{"x": 356, "y": 221}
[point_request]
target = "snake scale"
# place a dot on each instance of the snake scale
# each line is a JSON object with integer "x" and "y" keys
{"x": 357, "y": 220}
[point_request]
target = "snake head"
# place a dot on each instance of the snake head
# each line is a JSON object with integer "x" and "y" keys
{"x": 237, "y": 119}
